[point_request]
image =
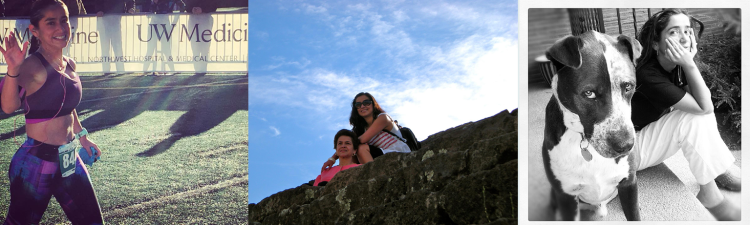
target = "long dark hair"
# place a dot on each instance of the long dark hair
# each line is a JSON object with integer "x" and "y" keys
{"x": 359, "y": 123}
{"x": 36, "y": 14}
{"x": 651, "y": 31}
{"x": 345, "y": 132}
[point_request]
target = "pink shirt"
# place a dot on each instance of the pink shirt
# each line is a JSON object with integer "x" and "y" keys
{"x": 327, "y": 175}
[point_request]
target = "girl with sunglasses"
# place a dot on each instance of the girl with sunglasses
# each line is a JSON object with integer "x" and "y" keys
{"x": 376, "y": 131}
{"x": 672, "y": 110}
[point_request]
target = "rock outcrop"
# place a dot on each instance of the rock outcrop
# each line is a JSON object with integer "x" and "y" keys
{"x": 464, "y": 175}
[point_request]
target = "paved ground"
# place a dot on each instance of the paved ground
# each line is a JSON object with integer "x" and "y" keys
{"x": 666, "y": 191}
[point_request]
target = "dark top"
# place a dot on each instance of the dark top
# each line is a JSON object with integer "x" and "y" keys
{"x": 656, "y": 91}
{"x": 75, "y": 7}
{"x": 207, "y": 6}
{"x": 167, "y": 6}
{"x": 113, "y": 6}
{"x": 45, "y": 102}
{"x": 2, "y": 8}
{"x": 23, "y": 7}
{"x": 15, "y": 8}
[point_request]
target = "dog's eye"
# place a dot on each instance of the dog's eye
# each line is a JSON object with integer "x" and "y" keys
{"x": 589, "y": 94}
{"x": 628, "y": 87}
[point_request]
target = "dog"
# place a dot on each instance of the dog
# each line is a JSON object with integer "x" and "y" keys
{"x": 588, "y": 133}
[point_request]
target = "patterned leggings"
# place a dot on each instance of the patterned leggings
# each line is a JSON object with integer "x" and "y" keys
{"x": 35, "y": 177}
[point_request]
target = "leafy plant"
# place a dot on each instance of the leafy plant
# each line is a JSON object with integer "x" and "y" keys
{"x": 720, "y": 64}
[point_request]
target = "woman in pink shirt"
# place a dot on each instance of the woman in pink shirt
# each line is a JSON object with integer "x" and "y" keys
{"x": 344, "y": 143}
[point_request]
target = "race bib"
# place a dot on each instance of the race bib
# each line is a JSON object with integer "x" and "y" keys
{"x": 67, "y": 158}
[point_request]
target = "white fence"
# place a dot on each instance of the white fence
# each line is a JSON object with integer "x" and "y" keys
{"x": 215, "y": 42}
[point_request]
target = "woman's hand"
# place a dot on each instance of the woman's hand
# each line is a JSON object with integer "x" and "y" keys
{"x": 680, "y": 55}
{"x": 87, "y": 144}
{"x": 13, "y": 53}
{"x": 327, "y": 165}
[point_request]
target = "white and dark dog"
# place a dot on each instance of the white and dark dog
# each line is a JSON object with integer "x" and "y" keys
{"x": 588, "y": 134}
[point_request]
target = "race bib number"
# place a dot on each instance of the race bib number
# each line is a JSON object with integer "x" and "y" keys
{"x": 67, "y": 157}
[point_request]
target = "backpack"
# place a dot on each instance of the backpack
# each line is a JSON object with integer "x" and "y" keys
{"x": 409, "y": 137}
{"x": 411, "y": 140}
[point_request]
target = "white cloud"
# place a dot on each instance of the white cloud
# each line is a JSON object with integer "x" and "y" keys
{"x": 391, "y": 37}
{"x": 484, "y": 82}
{"x": 281, "y": 61}
{"x": 331, "y": 80}
{"x": 431, "y": 85}
{"x": 400, "y": 16}
{"x": 275, "y": 130}
{"x": 314, "y": 9}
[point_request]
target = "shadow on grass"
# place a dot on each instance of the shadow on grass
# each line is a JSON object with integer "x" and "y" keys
{"x": 203, "y": 114}
{"x": 114, "y": 103}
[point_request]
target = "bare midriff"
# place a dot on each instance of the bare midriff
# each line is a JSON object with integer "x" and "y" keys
{"x": 57, "y": 131}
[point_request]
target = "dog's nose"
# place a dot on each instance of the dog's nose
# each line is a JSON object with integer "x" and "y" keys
{"x": 624, "y": 146}
{"x": 621, "y": 143}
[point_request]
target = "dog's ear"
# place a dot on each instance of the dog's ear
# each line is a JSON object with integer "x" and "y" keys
{"x": 566, "y": 52}
{"x": 634, "y": 47}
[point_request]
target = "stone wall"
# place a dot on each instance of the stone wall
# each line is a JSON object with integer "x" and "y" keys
{"x": 464, "y": 175}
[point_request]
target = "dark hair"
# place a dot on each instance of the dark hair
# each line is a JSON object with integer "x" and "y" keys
{"x": 358, "y": 123}
{"x": 345, "y": 132}
{"x": 651, "y": 31}
{"x": 36, "y": 14}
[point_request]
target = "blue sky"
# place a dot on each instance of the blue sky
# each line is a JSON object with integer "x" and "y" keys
{"x": 432, "y": 65}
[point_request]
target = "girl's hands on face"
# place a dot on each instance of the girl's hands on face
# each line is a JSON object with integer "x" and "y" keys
{"x": 680, "y": 55}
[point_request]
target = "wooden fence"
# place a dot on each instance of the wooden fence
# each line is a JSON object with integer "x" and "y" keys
{"x": 548, "y": 25}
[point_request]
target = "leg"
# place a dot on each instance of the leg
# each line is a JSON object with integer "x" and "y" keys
{"x": 115, "y": 34}
{"x": 375, "y": 152}
{"x": 200, "y": 48}
{"x": 705, "y": 151}
{"x": 30, "y": 181}
{"x": 697, "y": 136}
{"x": 553, "y": 200}
{"x": 77, "y": 198}
{"x": 363, "y": 154}
{"x": 150, "y": 46}
{"x": 721, "y": 208}
{"x": 567, "y": 206}
{"x": 628, "y": 191}
{"x": 102, "y": 24}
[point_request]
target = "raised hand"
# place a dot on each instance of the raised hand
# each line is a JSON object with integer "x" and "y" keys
{"x": 327, "y": 165}
{"x": 13, "y": 53}
{"x": 679, "y": 54}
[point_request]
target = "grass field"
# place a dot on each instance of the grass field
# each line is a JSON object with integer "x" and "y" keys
{"x": 175, "y": 148}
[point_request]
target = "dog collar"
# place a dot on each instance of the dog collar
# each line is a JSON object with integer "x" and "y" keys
{"x": 584, "y": 149}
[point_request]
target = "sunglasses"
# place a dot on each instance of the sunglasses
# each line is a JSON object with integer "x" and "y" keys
{"x": 365, "y": 102}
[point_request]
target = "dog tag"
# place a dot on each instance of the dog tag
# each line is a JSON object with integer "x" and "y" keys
{"x": 67, "y": 158}
{"x": 586, "y": 155}
{"x": 585, "y": 152}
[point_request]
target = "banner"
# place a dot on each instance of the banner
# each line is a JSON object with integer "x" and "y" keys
{"x": 215, "y": 42}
